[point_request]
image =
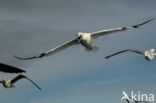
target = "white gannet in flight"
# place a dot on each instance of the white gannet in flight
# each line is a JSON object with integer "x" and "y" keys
{"x": 148, "y": 55}
{"x": 9, "y": 83}
{"x": 85, "y": 39}
{"x": 10, "y": 69}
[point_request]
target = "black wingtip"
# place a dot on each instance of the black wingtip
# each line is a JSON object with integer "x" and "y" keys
{"x": 19, "y": 71}
{"x": 147, "y": 59}
{"x": 40, "y": 89}
{"x": 17, "y": 57}
{"x": 30, "y": 81}
{"x": 107, "y": 57}
{"x": 10, "y": 69}
{"x": 26, "y": 58}
{"x": 138, "y": 25}
{"x": 34, "y": 57}
{"x": 22, "y": 71}
{"x": 22, "y": 58}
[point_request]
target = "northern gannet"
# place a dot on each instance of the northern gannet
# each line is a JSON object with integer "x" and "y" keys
{"x": 9, "y": 83}
{"x": 148, "y": 55}
{"x": 85, "y": 39}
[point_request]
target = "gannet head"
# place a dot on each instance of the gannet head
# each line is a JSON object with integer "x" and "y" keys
{"x": 80, "y": 34}
{"x": 149, "y": 55}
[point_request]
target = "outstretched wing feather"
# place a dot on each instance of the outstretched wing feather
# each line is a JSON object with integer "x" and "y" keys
{"x": 33, "y": 83}
{"x": 21, "y": 77}
{"x": 52, "y": 51}
{"x": 14, "y": 80}
{"x": 109, "y": 31}
{"x": 132, "y": 50}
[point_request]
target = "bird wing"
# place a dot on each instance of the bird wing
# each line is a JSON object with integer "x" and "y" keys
{"x": 52, "y": 51}
{"x": 21, "y": 77}
{"x": 132, "y": 50}
{"x": 104, "y": 32}
{"x": 14, "y": 80}
{"x": 10, "y": 69}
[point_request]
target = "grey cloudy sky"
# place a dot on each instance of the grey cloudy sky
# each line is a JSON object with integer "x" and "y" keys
{"x": 29, "y": 27}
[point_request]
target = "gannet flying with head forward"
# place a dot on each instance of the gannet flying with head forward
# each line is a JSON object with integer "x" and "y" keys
{"x": 10, "y": 69}
{"x": 9, "y": 83}
{"x": 148, "y": 55}
{"x": 85, "y": 39}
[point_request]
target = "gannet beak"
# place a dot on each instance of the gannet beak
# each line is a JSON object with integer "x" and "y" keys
{"x": 147, "y": 58}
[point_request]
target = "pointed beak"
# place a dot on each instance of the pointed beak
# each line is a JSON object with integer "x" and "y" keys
{"x": 147, "y": 58}
{"x": 79, "y": 37}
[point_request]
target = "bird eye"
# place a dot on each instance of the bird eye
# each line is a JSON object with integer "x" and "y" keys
{"x": 146, "y": 53}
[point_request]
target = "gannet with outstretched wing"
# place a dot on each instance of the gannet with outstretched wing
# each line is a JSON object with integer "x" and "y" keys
{"x": 10, "y": 69}
{"x": 9, "y": 83}
{"x": 149, "y": 55}
{"x": 85, "y": 39}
